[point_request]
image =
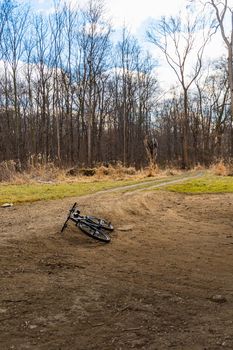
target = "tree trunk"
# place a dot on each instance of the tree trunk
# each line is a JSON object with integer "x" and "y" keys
{"x": 185, "y": 164}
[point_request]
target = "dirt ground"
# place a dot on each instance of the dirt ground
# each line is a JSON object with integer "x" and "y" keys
{"x": 164, "y": 282}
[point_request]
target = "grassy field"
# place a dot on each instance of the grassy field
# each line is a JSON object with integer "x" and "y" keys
{"x": 20, "y": 193}
{"x": 205, "y": 184}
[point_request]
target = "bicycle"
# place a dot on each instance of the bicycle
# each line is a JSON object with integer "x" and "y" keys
{"x": 90, "y": 225}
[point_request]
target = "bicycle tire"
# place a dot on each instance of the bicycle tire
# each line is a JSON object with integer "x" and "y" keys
{"x": 101, "y": 223}
{"x": 93, "y": 232}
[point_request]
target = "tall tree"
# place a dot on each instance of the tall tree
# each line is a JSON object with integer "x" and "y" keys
{"x": 177, "y": 38}
{"x": 95, "y": 43}
{"x": 222, "y": 10}
{"x": 13, "y": 48}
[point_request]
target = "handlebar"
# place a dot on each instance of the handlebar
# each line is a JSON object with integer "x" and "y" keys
{"x": 70, "y": 212}
{"x": 72, "y": 209}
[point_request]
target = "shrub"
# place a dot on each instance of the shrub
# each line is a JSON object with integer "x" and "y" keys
{"x": 81, "y": 172}
{"x": 219, "y": 168}
{"x": 103, "y": 171}
{"x": 7, "y": 170}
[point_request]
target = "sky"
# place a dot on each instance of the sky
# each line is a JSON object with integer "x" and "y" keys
{"x": 136, "y": 15}
{"x": 135, "y": 12}
{"x": 132, "y": 12}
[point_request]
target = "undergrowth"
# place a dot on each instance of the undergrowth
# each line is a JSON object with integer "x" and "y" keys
{"x": 222, "y": 168}
{"x": 12, "y": 173}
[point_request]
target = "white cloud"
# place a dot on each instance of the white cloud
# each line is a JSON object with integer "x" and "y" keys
{"x": 134, "y": 13}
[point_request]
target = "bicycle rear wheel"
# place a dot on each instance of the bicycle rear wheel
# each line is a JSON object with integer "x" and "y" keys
{"x": 101, "y": 223}
{"x": 93, "y": 232}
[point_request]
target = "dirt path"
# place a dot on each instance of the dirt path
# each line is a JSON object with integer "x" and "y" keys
{"x": 150, "y": 185}
{"x": 164, "y": 282}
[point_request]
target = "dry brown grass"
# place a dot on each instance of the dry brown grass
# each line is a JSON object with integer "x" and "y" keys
{"x": 7, "y": 171}
{"x": 222, "y": 168}
{"x": 152, "y": 170}
{"x": 46, "y": 172}
{"x": 11, "y": 173}
{"x": 49, "y": 173}
{"x": 117, "y": 171}
{"x": 199, "y": 167}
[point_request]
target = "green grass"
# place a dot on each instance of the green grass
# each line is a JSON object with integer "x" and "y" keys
{"x": 35, "y": 192}
{"x": 206, "y": 184}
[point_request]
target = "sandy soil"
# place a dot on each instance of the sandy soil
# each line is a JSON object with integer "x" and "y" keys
{"x": 164, "y": 282}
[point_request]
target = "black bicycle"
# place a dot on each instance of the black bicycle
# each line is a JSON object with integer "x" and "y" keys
{"x": 92, "y": 226}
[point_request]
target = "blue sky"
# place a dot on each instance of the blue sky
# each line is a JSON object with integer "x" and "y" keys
{"x": 132, "y": 12}
{"x": 136, "y": 14}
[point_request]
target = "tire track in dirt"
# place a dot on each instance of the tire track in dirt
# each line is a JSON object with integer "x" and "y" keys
{"x": 152, "y": 287}
{"x": 138, "y": 187}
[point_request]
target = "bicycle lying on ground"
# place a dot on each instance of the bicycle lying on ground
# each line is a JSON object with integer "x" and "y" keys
{"x": 92, "y": 226}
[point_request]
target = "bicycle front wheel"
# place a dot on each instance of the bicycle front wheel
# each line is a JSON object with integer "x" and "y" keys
{"x": 93, "y": 232}
{"x": 101, "y": 223}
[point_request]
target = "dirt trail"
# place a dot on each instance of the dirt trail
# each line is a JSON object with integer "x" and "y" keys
{"x": 153, "y": 184}
{"x": 164, "y": 282}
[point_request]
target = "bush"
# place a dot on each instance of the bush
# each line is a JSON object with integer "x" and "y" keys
{"x": 115, "y": 171}
{"x": 81, "y": 172}
{"x": 129, "y": 171}
{"x": 223, "y": 168}
{"x": 7, "y": 170}
{"x": 219, "y": 168}
{"x": 230, "y": 169}
{"x": 103, "y": 171}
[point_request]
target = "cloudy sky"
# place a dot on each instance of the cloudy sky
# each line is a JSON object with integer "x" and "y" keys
{"x": 136, "y": 14}
{"x": 133, "y": 12}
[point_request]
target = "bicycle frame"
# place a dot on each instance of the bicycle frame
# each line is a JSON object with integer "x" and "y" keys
{"x": 71, "y": 217}
{"x": 74, "y": 215}
{"x": 90, "y": 225}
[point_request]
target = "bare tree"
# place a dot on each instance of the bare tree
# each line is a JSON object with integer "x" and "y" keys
{"x": 213, "y": 102}
{"x": 151, "y": 146}
{"x": 13, "y": 34}
{"x": 177, "y": 38}
{"x": 42, "y": 59}
{"x": 222, "y": 10}
{"x": 94, "y": 41}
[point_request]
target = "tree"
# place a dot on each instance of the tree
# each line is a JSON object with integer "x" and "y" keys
{"x": 95, "y": 44}
{"x": 42, "y": 60}
{"x": 13, "y": 33}
{"x": 222, "y": 9}
{"x": 180, "y": 41}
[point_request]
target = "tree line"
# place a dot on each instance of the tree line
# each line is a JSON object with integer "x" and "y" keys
{"x": 73, "y": 95}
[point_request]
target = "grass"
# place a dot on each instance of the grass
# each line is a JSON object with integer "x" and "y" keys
{"x": 148, "y": 184}
{"x": 205, "y": 184}
{"x": 20, "y": 193}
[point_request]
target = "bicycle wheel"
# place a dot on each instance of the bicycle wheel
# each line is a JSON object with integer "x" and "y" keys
{"x": 93, "y": 232}
{"x": 101, "y": 223}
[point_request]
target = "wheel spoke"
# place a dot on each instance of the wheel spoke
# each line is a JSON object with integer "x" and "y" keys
{"x": 93, "y": 232}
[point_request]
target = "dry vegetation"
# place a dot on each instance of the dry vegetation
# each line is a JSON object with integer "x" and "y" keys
{"x": 222, "y": 168}
{"x": 11, "y": 172}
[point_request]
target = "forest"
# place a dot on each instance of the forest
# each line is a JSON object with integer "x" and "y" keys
{"x": 72, "y": 93}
